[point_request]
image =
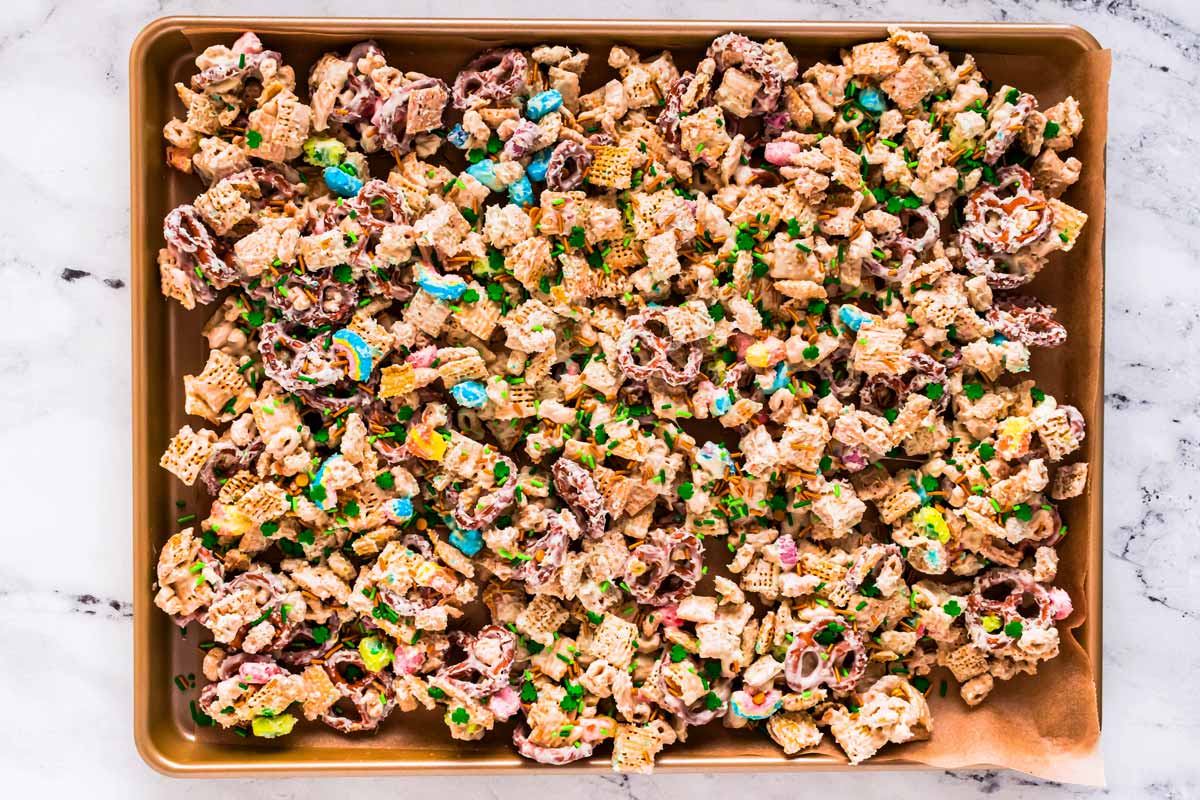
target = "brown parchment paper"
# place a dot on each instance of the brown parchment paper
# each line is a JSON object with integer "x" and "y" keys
{"x": 1046, "y": 725}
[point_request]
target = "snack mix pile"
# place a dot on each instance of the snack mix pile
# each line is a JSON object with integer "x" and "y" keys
{"x": 614, "y": 413}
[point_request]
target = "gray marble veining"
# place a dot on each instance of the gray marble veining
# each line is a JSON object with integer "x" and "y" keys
{"x": 65, "y": 603}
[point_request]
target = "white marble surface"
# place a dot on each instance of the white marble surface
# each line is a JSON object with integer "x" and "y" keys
{"x": 65, "y": 582}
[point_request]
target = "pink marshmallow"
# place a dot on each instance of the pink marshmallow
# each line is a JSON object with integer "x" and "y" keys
{"x": 596, "y": 729}
{"x": 423, "y": 357}
{"x": 854, "y": 459}
{"x": 258, "y": 671}
{"x": 787, "y": 550}
{"x": 504, "y": 703}
{"x": 781, "y": 153}
{"x": 740, "y": 342}
{"x": 668, "y": 616}
{"x": 1060, "y": 604}
{"x": 408, "y": 660}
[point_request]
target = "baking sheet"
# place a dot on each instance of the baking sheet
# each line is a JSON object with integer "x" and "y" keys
{"x": 1046, "y": 725}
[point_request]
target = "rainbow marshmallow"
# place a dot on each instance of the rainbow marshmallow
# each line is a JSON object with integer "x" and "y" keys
{"x": 761, "y": 706}
{"x": 330, "y": 499}
{"x": 360, "y": 358}
{"x": 444, "y": 287}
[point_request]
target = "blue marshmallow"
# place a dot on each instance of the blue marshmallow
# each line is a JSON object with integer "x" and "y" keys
{"x": 469, "y": 542}
{"x": 543, "y": 103}
{"x": 931, "y": 558}
{"x": 536, "y": 171}
{"x": 469, "y": 394}
{"x": 341, "y": 182}
{"x": 781, "y": 378}
{"x": 872, "y": 100}
{"x": 521, "y": 192}
{"x": 399, "y": 510}
{"x": 485, "y": 172}
{"x": 852, "y": 317}
{"x": 458, "y": 137}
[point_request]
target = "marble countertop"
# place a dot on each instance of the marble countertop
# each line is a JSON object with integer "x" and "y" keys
{"x": 66, "y": 573}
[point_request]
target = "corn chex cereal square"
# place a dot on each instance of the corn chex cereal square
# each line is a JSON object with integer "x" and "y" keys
{"x": 966, "y": 662}
{"x": 611, "y": 167}
{"x": 793, "y": 731}
{"x": 541, "y": 619}
{"x": 263, "y": 503}
{"x": 634, "y": 749}
{"x": 236, "y": 487}
{"x": 613, "y": 641}
{"x": 187, "y": 452}
{"x": 397, "y": 380}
